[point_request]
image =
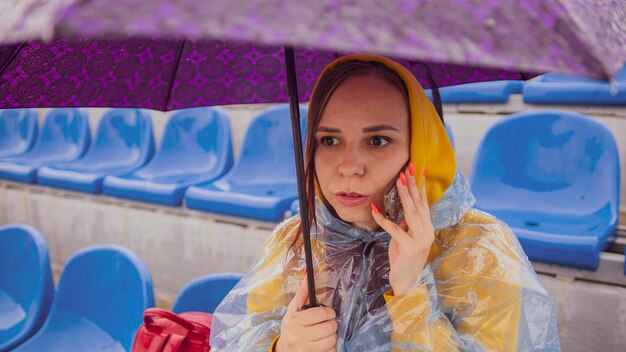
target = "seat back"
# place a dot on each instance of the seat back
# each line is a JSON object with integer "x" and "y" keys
{"x": 64, "y": 136}
{"x": 193, "y": 142}
{"x": 564, "y": 78}
{"x": 268, "y": 145}
{"x": 479, "y": 92}
{"x": 26, "y": 286}
{"x": 107, "y": 285}
{"x": 206, "y": 293}
{"x": 18, "y": 130}
{"x": 295, "y": 207}
{"x": 560, "y": 89}
{"x": 123, "y": 135}
{"x": 549, "y": 162}
{"x": 620, "y": 77}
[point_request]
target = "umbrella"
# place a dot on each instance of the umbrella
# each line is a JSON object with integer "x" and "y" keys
{"x": 171, "y": 73}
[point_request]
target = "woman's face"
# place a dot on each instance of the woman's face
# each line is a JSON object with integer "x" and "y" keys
{"x": 363, "y": 141}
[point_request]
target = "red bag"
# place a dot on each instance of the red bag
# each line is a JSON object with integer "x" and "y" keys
{"x": 164, "y": 331}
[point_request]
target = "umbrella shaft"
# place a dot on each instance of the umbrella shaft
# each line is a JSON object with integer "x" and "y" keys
{"x": 297, "y": 148}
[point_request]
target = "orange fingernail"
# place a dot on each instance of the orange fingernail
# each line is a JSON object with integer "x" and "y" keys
{"x": 402, "y": 179}
{"x": 375, "y": 207}
{"x": 304, "y": 272}
{"x": 424, "y": 171}
{"x": 411, "y": 169}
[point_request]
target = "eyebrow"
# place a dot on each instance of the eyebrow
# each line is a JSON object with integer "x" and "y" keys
{"x": 375, "y": 128}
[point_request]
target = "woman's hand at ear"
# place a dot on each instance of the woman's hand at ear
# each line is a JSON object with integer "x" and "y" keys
{"x": 314, "y": 329}
{"x": 411, "y": 240}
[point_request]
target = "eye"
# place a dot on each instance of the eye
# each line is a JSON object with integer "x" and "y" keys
{"x": 328, "y": 141}
{"x": 379, "y": 141}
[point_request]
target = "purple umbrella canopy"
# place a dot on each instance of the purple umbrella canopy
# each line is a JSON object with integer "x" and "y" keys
{"x": 575, "y": 36}
{"x": 168, "y": 74}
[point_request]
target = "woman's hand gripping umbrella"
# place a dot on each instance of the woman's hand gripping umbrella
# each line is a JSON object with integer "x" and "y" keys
{"x": 313, "y": 329}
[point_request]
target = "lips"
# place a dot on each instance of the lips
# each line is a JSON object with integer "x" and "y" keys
{"x": 351, "y": 199}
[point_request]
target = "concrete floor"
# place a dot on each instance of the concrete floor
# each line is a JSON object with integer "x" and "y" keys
{"x": 591, "y": 316}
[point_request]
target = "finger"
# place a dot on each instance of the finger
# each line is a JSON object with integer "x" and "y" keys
{"x": 423, "y": 194}
{"x": 419, "y": 194}
{"x": 390, "y": 227}
{"x": 412, "y": 183}
{"x": 321, "y": 330}
{"x": 300, "y": 298}
{"x": 411, "y": 212}
{"x": 403, "y": 192}
{"x": 328, "y": 343}
{"x": 314, "y": 316}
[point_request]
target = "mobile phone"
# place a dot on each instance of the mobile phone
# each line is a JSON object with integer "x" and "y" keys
{"x": 391, "y": 201}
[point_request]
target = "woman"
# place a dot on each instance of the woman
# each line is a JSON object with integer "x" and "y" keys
{"x": 445, "y": 278}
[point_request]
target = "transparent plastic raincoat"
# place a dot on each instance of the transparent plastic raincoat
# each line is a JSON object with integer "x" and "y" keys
{"x": 477, "y": 292}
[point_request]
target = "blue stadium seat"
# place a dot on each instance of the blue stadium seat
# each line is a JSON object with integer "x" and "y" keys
{"x": 26, "y": 286}
{"x": 196, "y": 147}
{"x": 102, "y": 293}
{"x": 491, "y": 92}
{"x": 124, "y": 143}
{"x": 206, "y": 293}
{"x": 64, "y": 137}
{"x": 262, "y": 184}
{"x": 18, "y": 130}
{"x": 554, "y": 88}
{"x": 295, "y": 207}
{"x": 553, "y": 176}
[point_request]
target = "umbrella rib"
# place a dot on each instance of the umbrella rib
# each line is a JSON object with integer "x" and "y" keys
{"x": 12, "y": 57}
{"x": 179, "y": 53}
{"x": 436, "y": 96}
{"x": 437, "y": 101}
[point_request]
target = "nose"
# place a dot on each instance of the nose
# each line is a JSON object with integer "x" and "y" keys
{"x": 351, "y": 163}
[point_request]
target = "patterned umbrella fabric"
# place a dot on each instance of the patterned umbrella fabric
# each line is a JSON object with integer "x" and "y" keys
{"x": 168, "y": 74}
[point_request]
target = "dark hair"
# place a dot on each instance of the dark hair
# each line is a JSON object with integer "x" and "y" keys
{"x": 326, "y": 86}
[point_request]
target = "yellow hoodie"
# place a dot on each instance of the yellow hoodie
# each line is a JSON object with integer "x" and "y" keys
{"x": 478, "y": 291}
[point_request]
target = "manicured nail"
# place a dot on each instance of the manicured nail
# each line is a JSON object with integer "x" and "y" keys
{"x": 424, "y": 172}
{"x": 304, "y": 273}
{"x": 375, "y": 207}
{"x": 402, "y": 179}
{"x": 411, "y": 169}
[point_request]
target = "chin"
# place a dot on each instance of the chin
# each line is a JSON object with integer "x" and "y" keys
{"x": 356, "y": 216}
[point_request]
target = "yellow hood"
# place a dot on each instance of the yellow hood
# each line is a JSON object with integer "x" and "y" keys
{"x": 431, "y": 149}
